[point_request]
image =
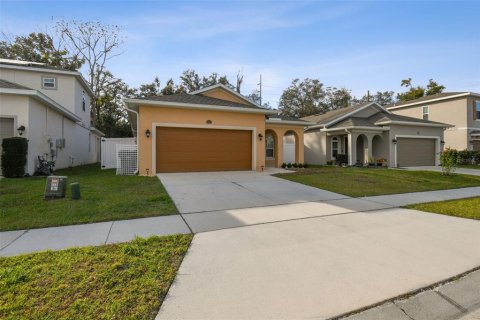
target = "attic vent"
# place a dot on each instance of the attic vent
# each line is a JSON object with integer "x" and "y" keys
{"x": 275, "y": 119}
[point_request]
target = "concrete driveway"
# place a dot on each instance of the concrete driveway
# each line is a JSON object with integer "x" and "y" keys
{"x": 213, "y": 191}
{"x": 316, "y": 268}
{"x": 473, "y": 172}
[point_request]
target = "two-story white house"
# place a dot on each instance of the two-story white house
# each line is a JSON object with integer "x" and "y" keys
{"x": 459, "y": 109}
{"x": 51, "y": 108}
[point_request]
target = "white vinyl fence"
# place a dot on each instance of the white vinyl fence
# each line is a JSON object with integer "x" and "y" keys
{"x": 109, "y": 151}
{"x": 127, "y": 159}
{"x": 288, "y": 152}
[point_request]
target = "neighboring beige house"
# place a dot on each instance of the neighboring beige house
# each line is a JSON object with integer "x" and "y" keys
{"x": 460, "y": 109}
{"x": 213, "y": 129}
{"x": 51, "y": 108}
{"x": 369, "y": 131}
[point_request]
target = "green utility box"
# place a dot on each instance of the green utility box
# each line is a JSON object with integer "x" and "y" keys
{"x": 75, "y": 190}
{"x": 56, "y": 187}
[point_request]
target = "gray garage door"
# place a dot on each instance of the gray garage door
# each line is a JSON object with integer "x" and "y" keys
{"x": 413, "y": 152}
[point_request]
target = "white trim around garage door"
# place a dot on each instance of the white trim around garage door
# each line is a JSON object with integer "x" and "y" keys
{"x": 208, "y": 126}
{"x": 437, "y": 146}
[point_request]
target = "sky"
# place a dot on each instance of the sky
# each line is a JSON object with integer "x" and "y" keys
{"x": 359, "y": 45}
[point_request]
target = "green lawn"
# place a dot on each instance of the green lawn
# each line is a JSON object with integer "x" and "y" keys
{"x": 358, "y": 182}
{"x": 121, "y": 281}
{"x": 465, "y": 208}
{"x": 105, "y": 196}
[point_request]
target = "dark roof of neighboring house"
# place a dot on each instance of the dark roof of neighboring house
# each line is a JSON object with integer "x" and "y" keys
{"x": 198, "y": 99}
{"x": 377, "y": 118}
{"x": 12, "y": 85}
{"x": 426, "y": 98}
{"x": 333, "y": 114}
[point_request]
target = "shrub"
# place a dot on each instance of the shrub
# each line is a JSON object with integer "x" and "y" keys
{"x": 289, "y": 165}
{"x": 329, "y": 162}
{"x": 300, "y": 165}
{"x": 284, "y": 165}
{"x": 341, "y": 158}
{"x": 448, "y": 158}
{"x": 305, "y": 165}
{"x": 295, "y": 165}
{"x": 14, "y": 157}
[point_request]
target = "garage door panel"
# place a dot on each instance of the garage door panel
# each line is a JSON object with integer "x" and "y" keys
{"x": 415, "y": 152}
{"x": 192, "y": 149}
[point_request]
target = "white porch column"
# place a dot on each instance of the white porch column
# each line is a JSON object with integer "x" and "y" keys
{"x": 352, "y": 150}
{"x": 369, "y": 147}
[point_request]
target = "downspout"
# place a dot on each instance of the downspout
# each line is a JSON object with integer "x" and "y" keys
{"x": 136, "y": 138}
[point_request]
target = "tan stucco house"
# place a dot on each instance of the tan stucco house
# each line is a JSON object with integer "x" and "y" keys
{"x": 51, "y": 108}
{"x": 212, "y": 129}
{"x": 460, "y": 109}
{"x": 367, "y": 131}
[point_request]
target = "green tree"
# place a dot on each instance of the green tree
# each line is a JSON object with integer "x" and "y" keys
{"x": 112, "y": 118}
{"x": 433, "y": 88}
{"x": 40, "y": 47}
{"x": 336, "y": 98}
{"x": 149, "y": 89}
{"x": 382, "y": 98}
{"x": 303, "y": 98}
{"x": 191, "y": 81}
{"x": 418, "y": 91}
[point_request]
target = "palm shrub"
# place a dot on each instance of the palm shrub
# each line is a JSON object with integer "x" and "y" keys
{"x": 14, "y": 157}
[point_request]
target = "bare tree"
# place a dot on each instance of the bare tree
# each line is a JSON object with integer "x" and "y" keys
{"x": 239, "y": 81}
{"x": 95, "y": 43}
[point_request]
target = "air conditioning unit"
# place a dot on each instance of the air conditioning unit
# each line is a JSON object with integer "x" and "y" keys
{"x": 126, "y": 159}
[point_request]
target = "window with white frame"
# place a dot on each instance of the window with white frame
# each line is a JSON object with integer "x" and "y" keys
{"x": 335, "y": 145}
{"x": 83, "y": 100}
{"x": 269, "y": 146}
{"x": 49, "y": 83}
{"x": 425, "y": 112}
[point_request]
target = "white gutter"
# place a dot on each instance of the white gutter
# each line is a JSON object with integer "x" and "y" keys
{"x": 44, "y": 99}
{"x": 100, "y": 133}
{"x": 421, "y": 124}
{"x": 355, "y": 128}
{"x": 181, "y": 105}
{"x": 465, "y": 94}
{"x": 136, "y": 134}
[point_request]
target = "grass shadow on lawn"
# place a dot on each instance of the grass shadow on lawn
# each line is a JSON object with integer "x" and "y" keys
{"x": 105, "y": 197}
{"x": 360, "y": 182}
{"x": 120, "y": 281}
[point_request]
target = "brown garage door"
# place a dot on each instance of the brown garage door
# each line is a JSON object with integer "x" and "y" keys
{"x": 191, "y": 149}
{"x": 415, "y": 152}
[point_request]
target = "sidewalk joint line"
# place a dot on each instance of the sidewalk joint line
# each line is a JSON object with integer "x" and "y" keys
{"x": 109, "y": 230}
{"x": 403, "y": 310}
{"x": 5, "y": 246}
{"x": 451, "y": 301}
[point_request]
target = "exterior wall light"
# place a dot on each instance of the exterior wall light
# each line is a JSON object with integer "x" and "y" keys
{"x": 442, "y": 142}
{"x": 147, "y": 133}
{"x": 21, "y": 130}
{"x": 394, "y": 141}
{"x": 260, "y": 136}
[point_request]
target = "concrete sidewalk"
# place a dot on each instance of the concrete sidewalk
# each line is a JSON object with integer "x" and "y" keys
{"x": 404, "y": 199}
{"x": 458, "y": 299}
{"x": 473, "y": 172}
{"x": 56, "y": 238}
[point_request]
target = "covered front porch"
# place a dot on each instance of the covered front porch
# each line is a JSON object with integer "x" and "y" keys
{"x": 357, "y": 147}
{"x": 283, "y": 144}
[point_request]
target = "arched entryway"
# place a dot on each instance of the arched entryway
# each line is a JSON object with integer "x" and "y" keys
{"x": 377, "y": 150}
{"x": 290, "y": 143}
{"x": 362, "y": 152}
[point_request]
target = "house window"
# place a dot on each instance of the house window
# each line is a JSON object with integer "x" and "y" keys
{"x": 334, "y": 147}
{"x": 425, "y": 111}
{"x": 269, "y": 146}
{"x": 477, "y": 110}
{"x": 49, "y": 83}
{"x": 83, "y": 100}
